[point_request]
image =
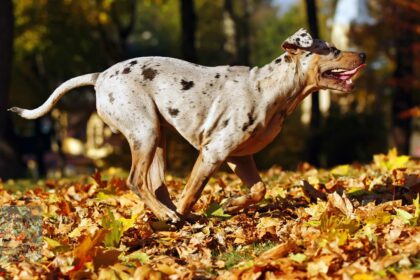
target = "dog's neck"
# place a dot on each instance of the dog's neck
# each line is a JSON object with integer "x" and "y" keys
{"x": 282, "y": 82}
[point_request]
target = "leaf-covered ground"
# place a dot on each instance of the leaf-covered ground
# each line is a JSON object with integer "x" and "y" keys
{"x": 351, "y": 222}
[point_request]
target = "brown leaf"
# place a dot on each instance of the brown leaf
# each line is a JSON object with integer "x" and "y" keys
{"x": 312, "y": 193}
{"x": 342, "y": 203}
{"x": 64, "y": 208}
{"x": 278, "y": 251}
{"x": 98, "y": 179}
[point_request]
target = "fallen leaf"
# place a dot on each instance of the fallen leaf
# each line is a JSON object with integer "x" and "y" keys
{"x": 84, "y": 251}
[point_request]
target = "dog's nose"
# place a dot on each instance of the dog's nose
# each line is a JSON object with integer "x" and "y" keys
{"x": 362, "y": 57}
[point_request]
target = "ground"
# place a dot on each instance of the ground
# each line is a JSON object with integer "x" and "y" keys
{"x": 353, "y": 221}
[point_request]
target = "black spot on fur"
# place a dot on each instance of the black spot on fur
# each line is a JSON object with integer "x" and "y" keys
{"x": 132, "y": 62}
{"x": 309, "y": 54}
{"x": 126, "y": 70}
{"x": 173, "y": 112}
{"x": 136, "y": 144}
{"x": 211, "y": 85}
{"x": 259, "y": 87}
{"x": 217, "y": 76}
{"x": 149, "y": 73}
{"x": 277, "y": 61}
{"x": 186, "y": 85}
{"x": 225, "y": 123}
{"x": 250, "y": 122}
{"x": 303, "y": 35}
{"x": 111, "y": 98}
{"x": 204, "y": 92}
{"x": 298, "y": 40}
{"x": 288, "y": 59}
{"x": 117, "y": 72}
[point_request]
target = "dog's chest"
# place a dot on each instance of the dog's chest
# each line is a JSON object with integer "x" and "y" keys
{"x": 261, "y": 136}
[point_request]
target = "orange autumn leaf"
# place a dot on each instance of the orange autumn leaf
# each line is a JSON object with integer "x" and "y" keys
{"x": 84, "y": 251}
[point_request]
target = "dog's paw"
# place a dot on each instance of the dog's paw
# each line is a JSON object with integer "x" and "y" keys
{"x": 170, "y": 216}
{"x": 235, "y": 204}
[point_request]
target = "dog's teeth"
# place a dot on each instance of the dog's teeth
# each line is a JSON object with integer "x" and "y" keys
{"x": 338, "y": 70}
{"x": 349, "y": 82}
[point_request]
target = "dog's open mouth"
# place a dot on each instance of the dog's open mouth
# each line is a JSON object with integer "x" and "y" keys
{"x": 343, "y": 75}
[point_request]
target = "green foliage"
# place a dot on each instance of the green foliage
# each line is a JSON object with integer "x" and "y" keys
{"x": 115, "y": 227}
{"x": 244, "y": 254}
{"x": 299, "y": 258}
{"x": 270, "y": 31}
{"x": 216, "y": 210}
{"x": 143, "y": 258}
{"x": 113, "y": 236}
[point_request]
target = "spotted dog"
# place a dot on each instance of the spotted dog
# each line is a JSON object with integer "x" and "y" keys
{"x": 228, "y": 113}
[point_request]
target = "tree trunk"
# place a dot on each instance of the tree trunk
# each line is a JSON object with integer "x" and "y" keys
{"x": 124, "y": 30}
{"x": 188, "y": 25}
{"x": 238, "y": 40}
{"x": 9, "y": 160}
{"x": 313, "y": 152}
{"x": 231, "y": 32}
{"x": 403, "y": 80}
{"x": 246, "y": 43}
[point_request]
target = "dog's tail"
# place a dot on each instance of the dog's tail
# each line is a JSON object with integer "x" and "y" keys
{"x": 84, "y": 80}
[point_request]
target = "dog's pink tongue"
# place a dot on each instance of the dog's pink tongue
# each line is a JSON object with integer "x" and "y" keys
{"x": 348, "y": 74}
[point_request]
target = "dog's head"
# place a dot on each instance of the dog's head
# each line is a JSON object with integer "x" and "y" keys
{"x": 326, "y": 66}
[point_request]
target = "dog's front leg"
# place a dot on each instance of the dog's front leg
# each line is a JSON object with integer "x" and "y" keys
{"x": 204, "y": 167}
{"x": 247, "y": 171}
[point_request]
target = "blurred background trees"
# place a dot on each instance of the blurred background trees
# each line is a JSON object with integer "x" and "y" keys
{"x": 56, "y": 40}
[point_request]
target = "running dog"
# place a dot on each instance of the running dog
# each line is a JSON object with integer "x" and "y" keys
{"x": 228, "y": 113}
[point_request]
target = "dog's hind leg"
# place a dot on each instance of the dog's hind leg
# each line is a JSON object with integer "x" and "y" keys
{"x": 143, "y": 148}
{"x": 247, "y": 171}
{"x": 157, "y": 174}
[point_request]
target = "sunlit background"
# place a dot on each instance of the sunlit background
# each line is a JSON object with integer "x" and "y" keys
{"x": 57, "y": 40}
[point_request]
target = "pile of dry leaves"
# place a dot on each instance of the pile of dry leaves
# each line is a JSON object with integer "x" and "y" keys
{"x": 351, "y": 222}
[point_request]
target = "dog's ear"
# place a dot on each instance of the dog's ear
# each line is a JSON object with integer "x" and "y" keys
{"x": 300, "y": 40}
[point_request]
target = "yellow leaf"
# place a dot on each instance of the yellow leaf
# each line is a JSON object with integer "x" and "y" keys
{"x": 313, "y": 180}
{"x": 363, "y": 276}
{"x": 52, "y": 243}
{"x": 391, "y": 160}
{"x": 128, "y": 223}
{"x": 299, "y": 258}
{"x": 341, "y": 170}
{"x": 76, "y": 232}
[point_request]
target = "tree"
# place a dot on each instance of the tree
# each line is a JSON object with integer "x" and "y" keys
{"x": 311, "y": 11}
{"x": 9, "y": 161}
{"x": 404, "y": 23}
{"x": 188, "y": 25}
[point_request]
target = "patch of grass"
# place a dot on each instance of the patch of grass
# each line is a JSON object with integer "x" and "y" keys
{"x": 21, "y": 185}
{"x": 243, "y": 253}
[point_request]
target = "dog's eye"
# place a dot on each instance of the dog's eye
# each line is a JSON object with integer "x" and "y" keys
{"x": 335, "y": 51}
